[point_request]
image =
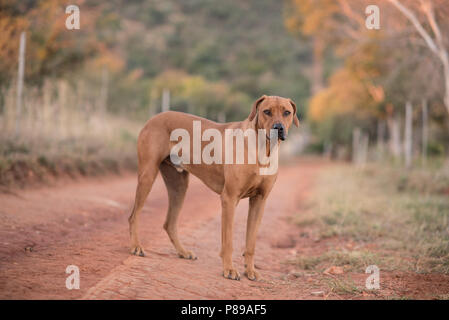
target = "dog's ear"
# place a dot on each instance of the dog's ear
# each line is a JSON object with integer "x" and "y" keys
{"x": 253, "y": 113}
{"x": 295, "y": 118}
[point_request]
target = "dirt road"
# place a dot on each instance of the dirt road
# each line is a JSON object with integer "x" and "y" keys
{"x": 84, "y": 223}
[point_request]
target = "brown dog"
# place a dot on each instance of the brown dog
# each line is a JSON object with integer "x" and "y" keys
{"x": 231, "y": 181}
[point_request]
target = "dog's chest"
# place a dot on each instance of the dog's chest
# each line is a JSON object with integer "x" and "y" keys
{"x": 257, "y": 185}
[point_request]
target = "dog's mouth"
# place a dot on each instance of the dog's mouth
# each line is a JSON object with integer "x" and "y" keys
{"x": 280, "y": 137}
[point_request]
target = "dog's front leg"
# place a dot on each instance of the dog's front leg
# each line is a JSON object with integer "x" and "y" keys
{"x": 255, "y": 213}
{"x": 228, "y": 204}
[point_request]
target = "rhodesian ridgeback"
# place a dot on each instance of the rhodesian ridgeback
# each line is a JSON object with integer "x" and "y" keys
{"x": 231, "y": 181}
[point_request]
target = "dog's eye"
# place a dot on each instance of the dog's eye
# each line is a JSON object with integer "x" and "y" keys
{"x": 286, "y": 113}
{"x": 267, "y": 112}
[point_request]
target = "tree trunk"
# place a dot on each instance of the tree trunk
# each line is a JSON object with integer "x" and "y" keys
{"x": 317, "y": 71}
{"x": 446, "y": 83}
{"x": 46, "y": 106}
{"x": 221, "y": 117}
{"x": 355, "y": 145}
{"x": 393, "y": 123}
{"x": 435, "y": 44}
{"x": 152, "y": 103}
{"x": 165, "y": 100}
{"x": 425, "y": 131}
{"x": 104, "y": 90}
{"x": 364, "y": 144}
{"x": 62, "y": 110}
{"x": 360, "y": 143}
{"x": 380, "y": 139}
{"x": 327, "y": 150}
{"x": 20, "y": 80}
{"x": 408, "y": 134}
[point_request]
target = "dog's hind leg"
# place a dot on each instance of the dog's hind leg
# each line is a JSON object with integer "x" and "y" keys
{"x": 176, "y": 183}
{"x": 145, "y": 182}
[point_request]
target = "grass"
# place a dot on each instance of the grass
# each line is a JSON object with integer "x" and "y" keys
{"x": 350, "y": 260}
{"x": 62, "y": 131}
{"x": 19, "y": 170}
{"x": 403, "y": 214}
{"x": 342, "y": 286}
{"x": 105, "y": 144}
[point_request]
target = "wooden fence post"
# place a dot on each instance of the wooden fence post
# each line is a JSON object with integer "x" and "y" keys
{"x": 425, "y": 130}
{"x": 165, "y": 100}
{"x": 20, "y": 81}
{"x": 408, "y": 135}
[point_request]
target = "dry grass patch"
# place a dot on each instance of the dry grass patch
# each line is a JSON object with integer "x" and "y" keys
{"x": 405, "y": 214}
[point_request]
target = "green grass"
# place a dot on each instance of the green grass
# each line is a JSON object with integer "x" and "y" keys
{"x": 405, "y": 214}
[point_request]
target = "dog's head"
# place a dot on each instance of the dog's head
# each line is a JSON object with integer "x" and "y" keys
{"x": 272, "y": 112}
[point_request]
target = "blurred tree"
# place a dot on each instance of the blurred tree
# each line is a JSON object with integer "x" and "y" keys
{"x": 381, "y": 69}
{"x": 435, "y": 14}
{"x": 196, "y": 95}
{"x": 52, "y": 50}
{"x": 241, "y": 47}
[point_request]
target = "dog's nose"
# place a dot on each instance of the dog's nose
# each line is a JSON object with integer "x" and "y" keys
{"x": 281, "y": 130}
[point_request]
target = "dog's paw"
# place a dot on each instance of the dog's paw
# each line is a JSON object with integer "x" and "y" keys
{"x": 231, "y": 274}
{"x": 252, "y": 275}
{"x": 187, "y": 255}
{"x": 137, "y": 251}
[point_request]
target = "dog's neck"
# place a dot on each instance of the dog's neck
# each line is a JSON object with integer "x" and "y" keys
{"x": 254, "y": 124}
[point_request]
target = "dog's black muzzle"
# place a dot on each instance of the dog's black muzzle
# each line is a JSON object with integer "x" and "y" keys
{"x": 280, "y": 129}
